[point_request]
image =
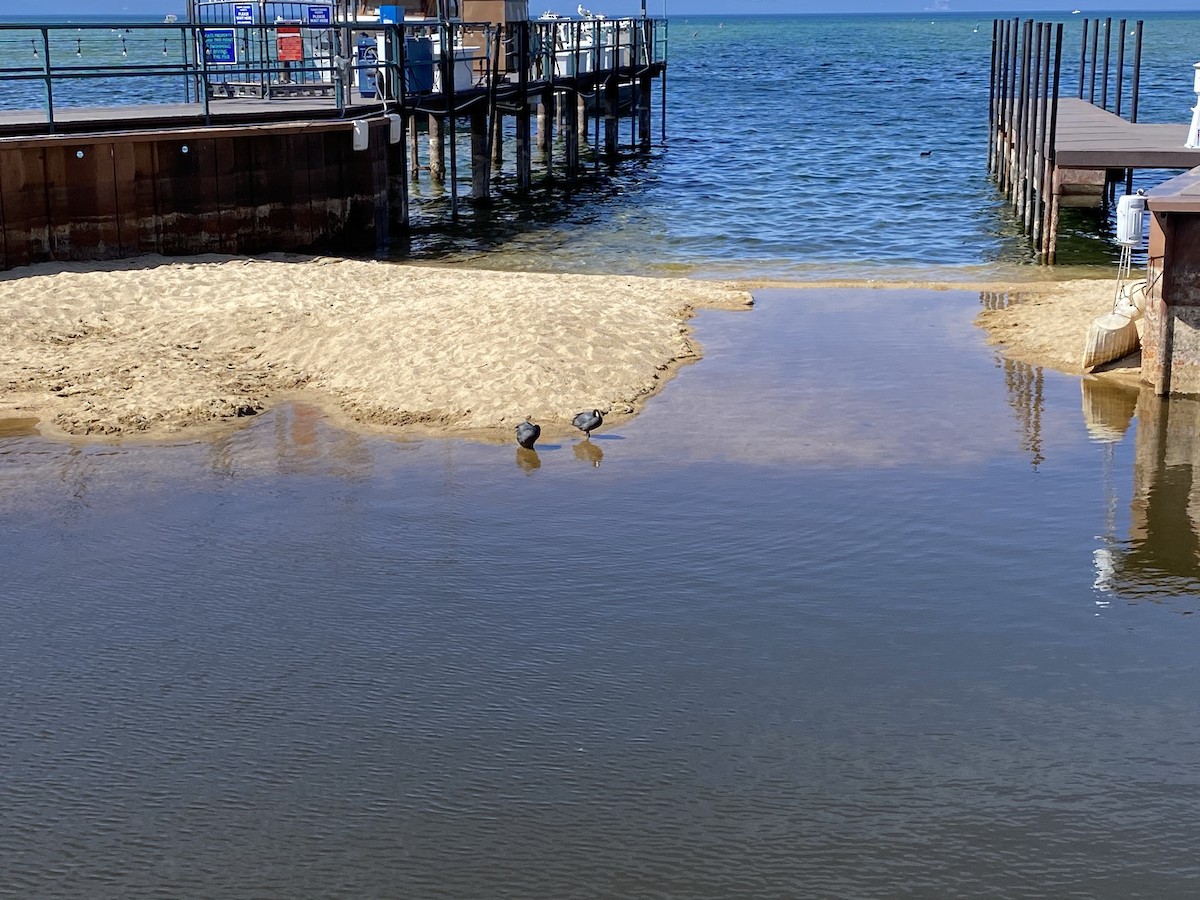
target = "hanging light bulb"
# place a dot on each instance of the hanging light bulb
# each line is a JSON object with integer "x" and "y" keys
{"x": 33, "y": 43}
{"x": 79, "y": 46}
{"x": 164, "y": 46}
{"x": 124, "y": 49}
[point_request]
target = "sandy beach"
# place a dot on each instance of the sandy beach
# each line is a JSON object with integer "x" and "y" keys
{"x": 154, "y": 346}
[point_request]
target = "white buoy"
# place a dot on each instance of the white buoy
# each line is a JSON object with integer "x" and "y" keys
{"x": 1131, "y": 215}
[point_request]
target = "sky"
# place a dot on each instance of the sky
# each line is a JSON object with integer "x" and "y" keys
{"x": 673, "y": 7}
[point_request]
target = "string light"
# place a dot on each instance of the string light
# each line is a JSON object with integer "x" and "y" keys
{"x": 33, "y": 43}
{"x": 164, "y": 46}
{"x": 79, "y": 46}
{"x": 124, "y": 50}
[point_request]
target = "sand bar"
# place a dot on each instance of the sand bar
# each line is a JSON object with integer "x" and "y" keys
{"x": 154, "y": 346}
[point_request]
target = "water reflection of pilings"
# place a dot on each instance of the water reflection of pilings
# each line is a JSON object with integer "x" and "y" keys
{"x": 1025, "y": 384}
{"x": 1165, "y": 511}
{"x": 1162, "y": 553}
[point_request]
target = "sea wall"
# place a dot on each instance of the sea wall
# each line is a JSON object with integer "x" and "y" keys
{"x": 237, "y": 189}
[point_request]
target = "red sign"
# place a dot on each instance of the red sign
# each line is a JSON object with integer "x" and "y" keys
{"x": 289, "y": 45}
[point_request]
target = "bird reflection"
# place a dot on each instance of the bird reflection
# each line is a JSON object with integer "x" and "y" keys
{"x": 527, "y": 460}
{"x": 589, "y": 452}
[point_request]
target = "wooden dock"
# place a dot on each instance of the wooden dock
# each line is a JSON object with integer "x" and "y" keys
{"x": 324, "y": 167}
{"x": 1049, "y": 151}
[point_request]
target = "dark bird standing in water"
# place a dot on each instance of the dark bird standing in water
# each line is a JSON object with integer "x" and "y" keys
{"x": 527, "y": 434}
{"x": 587, "y": 422}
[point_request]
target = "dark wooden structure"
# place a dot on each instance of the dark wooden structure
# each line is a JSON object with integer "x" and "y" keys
{"x": 225, "y": 173}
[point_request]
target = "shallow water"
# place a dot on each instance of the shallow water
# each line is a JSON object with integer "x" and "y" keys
{"x": 854, "y": 608}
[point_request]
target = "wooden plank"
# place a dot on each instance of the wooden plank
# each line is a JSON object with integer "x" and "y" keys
{"x": 1089, "y": 137}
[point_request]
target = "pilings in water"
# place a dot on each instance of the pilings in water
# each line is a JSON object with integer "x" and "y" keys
{"x": 1024, "y": 101}
{"x": 1026, "y": 70}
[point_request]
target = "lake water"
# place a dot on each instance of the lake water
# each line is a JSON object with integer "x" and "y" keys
{"x": 854, "y": 608}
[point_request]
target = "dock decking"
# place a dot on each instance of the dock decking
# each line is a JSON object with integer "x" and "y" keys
{"x": 1047, "y": 151}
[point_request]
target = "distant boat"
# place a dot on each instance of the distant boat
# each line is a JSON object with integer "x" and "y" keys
{"x": 170, "y": 18}
{"x": 1076, "y": 12}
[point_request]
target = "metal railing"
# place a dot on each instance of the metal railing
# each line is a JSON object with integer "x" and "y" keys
{"x": 48, "y": 68}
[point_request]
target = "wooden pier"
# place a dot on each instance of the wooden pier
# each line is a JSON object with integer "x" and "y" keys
{"x": 1048, "y": 151}
{"x": 326, "y": 167}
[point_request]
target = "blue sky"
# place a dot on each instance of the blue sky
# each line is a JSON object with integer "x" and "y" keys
{"x": 673, "y": 7}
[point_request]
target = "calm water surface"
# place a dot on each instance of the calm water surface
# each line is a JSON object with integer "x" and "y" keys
{"x": 853, "y": 609}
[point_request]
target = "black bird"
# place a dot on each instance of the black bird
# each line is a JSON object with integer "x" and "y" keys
{"x": 927, "y": 153}
{"x": 587, "y": 422}
{"x": 528, "y": 433}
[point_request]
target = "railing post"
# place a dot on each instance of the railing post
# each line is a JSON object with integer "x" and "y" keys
{"x": 49, "y": 80}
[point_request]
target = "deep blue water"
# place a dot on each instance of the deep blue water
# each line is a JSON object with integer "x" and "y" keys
{"x": 794, "y": 151}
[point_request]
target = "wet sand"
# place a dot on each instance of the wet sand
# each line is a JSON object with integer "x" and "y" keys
{"x": 153, "y": 347}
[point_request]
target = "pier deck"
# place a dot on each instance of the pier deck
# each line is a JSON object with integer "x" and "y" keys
{"x": 1087, "y": 137}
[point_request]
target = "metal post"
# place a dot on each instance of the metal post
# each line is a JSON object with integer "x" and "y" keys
{"x": 1120, "y": 67}
{"x": 49, "y": 84}
{"x": 1107, "y": 46}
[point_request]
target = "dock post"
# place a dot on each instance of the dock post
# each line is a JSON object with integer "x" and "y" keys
{"x": 480, "y": 158}
{"x": 414, "y": 142}
{"x": 571, "y": 135}
{"x": 1049, "y": 244}
{"x": 524, "y": 152}
{"x": 581, "y": 116}
{"x": 437, "y": 150}
{"x": 644, "y": 91}
{"x": 546, "y": 119}
{"x": 541, "y": 143}
{"x": 992, "y": 101}
{"x": 397, "y": 169}
{"x": 498, "y": 143}
{"x": 612, "y": 99}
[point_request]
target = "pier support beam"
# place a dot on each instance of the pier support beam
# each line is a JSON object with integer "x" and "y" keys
{"x": 570, "y": 121}
{"x": 612, "y": 122}
{"x": 414, "y": 159}
{"x": 524, "y": 152}
{"x": 546, "y": 117}
{"x": 481, "y": 163}
{"x": 497, "y": 143}
{"x": 437, "y": 150}
{"x": 644, "y": 114}
{"x": 397, "y": 167}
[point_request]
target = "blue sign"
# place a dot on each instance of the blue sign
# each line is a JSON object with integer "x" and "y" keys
{"x": 318, "y": 16}
{"x": 243, "y": 14}
{"x": 219, "y": 46}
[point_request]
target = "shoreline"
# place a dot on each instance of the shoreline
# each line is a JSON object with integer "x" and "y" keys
{"x": 158, "y": 347}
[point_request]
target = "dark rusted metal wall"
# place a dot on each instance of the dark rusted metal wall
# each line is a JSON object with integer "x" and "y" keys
{"x": 222, "y": 190}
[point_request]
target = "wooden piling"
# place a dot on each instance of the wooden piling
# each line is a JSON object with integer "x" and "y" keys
{"x": 612, "y": 99}
{"x": 414, "y": 160}
{"x": 1107, "y": 50}
{"x": 437, "y": 150}
{"x": 644, "y": 93}
{"x": 481, "y": 160}
{"x": 397, "y": 167}
{"x": 570, "y": 127}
